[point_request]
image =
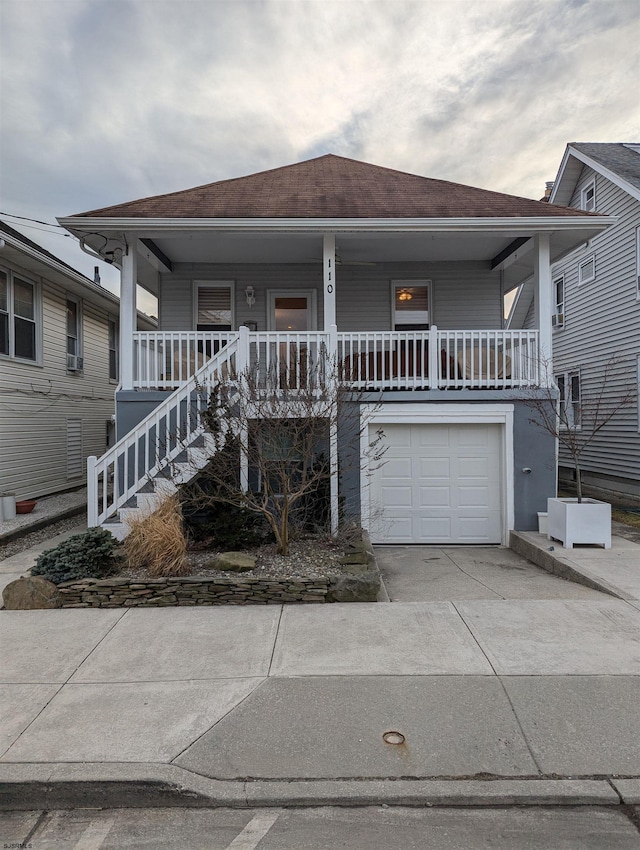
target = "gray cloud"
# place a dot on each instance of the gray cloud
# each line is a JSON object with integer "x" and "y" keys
{"x": 109, "y": 100}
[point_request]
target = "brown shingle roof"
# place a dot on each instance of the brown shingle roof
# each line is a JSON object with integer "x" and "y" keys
{"x": 332, "y": 187}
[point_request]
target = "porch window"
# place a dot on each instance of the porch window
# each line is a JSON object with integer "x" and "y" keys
{"x": 411, "y": 305}
{"x": 18, "y": 312}
{"x": 214, "y": 307}
{"x": 558, "y": 316}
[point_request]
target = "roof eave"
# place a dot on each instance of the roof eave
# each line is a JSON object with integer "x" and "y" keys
{"x": 520, "y": 224}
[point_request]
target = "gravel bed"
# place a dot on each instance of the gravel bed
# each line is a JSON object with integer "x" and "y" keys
{"x": 34, "y": 538}
{"x": 308, "y": 558}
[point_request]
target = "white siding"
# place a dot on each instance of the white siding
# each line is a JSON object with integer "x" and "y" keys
{"x": 602, "y": 320}
{"x": 37, "y": 401}
{"x": 465, "y": 295}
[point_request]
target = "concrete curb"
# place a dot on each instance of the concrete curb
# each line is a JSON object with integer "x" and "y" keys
{"x": 58, "y": 786}
{"x": 7, "y": 537}
{"x": 520, "y": 542}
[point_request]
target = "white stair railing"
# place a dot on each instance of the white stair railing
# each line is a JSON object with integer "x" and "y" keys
{"x": 158, "y": 439}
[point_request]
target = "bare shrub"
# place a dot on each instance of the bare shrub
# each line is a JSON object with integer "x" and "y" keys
{"x": 156, "y": 542}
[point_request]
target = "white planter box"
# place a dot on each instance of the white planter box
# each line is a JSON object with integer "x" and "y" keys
{"x": 572, "y": 522}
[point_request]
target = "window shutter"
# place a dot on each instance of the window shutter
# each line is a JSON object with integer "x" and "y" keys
{"x": 74, "y": 448}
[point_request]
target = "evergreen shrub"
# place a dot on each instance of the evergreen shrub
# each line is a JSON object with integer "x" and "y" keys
{"x": 88, "y": 555}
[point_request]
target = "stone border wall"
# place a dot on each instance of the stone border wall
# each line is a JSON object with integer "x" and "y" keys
{"x": 359, "y": 582}
{"x": 190, "y": 590}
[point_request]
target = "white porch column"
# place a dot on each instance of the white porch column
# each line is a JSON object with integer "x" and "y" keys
{"x": 128, "y": 314}
{"x": 542, "y": 281}
{"x": 329, "y": 277}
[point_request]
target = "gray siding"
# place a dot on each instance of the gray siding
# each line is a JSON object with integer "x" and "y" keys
{"x": 465, "y": 295}
{"x": 602, "y": 320}
{"x": 37, "y": 401}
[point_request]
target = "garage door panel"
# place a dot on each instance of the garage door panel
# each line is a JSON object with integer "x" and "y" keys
{"x": 474, "y": 435}
{"x": 439, "y": 436}
{"x": 439, "y": 484}
{"x": 394, "y": 530}
{"x": 473, "y": 467}
{"x": 473, "y": 497}
{"x": 433, "y": 529}
{"x": 434, "y": 497}
{"x": 397, "y": 497}
{"x": 435, "y": 467}
{"x": 398, "y": 435}
{"x": 395, "y": 467}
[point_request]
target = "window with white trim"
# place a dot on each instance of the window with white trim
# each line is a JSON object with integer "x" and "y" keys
{"x": 74, "y": 333}
{"x": 588, "y": 197}
{"x": 558, "y": 290}
{"x": 114, "y": 343}
{"x": 214, "y": 305}
{"x": 411, "y": 305}
{"x": 587, "y": 270}
{"x": 569, "y": 410}
{"x": 19, "y": 317}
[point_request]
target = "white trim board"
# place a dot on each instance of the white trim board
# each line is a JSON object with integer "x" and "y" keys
{"x": 443, "y": 414}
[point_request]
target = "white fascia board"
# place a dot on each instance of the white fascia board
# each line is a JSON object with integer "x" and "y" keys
{"x": 596, "y": 166}
{"x": 86, "y": 285}
{"x": 419, "y": 413}
{"x": 515, "y": 225}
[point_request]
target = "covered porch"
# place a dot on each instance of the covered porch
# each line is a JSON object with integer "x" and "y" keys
{"x": 422, "y": 312}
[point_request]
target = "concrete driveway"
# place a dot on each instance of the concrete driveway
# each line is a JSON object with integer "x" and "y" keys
{"x": 434, "y": 574}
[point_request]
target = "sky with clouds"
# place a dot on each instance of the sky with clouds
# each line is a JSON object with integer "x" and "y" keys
{"x": 104, "y": 101}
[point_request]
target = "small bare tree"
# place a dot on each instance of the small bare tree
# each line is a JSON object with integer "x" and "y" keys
{"x": 274, "y": 442}
{"x": 575, "y": 417}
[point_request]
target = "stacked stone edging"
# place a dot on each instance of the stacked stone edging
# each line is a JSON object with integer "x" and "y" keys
{"x": 359, "y": 582}
{"x": 197, "y": 590}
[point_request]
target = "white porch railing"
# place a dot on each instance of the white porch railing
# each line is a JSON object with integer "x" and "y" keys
{"x": 380, "y": 360}
{"x": 167, "y": 359}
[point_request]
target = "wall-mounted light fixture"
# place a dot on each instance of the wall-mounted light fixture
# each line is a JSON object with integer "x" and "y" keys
{"x": 250, "y": 295}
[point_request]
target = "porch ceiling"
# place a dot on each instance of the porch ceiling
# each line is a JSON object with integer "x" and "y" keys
{"x": 354, "y": 248}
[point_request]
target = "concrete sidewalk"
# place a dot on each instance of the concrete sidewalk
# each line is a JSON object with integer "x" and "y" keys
{"x": 498, "y": 701}
{"x": 281, "y": 705}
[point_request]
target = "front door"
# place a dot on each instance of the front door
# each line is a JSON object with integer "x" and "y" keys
{"x": 292, "y": 312}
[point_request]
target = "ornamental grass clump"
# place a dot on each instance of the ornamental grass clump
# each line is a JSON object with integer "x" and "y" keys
{"x": 88, "y": 555}
{"x": 156, "y": 542}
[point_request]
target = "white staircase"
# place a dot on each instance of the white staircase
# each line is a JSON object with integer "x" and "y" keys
{"x": 165, "y": 450}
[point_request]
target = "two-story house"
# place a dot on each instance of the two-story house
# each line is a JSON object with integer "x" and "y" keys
{"x": 399, "y": 278}
{"x": 59, "y": 369}
{"x": 595, "y": 312}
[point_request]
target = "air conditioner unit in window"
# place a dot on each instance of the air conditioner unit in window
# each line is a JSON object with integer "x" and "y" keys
{"x": 74, "y": 363}
{"x": 557, "y": 320}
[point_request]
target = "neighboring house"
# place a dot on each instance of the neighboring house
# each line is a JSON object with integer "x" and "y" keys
{"x": 595, "y": 309}
{"x": 58, "y": 369}
{"x": 399, "y": 277}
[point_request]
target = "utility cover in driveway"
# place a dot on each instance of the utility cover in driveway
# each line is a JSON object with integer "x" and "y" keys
{"x": 438, "y": 484}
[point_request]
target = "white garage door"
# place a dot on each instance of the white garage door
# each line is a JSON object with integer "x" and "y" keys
{"x": 438, "y": 484}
